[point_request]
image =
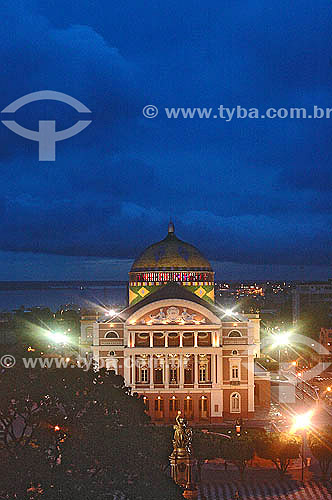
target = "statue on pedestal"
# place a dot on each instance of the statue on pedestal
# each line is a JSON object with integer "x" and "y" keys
{"x": 182, "y": 435}
{"x": 181, "y": 458}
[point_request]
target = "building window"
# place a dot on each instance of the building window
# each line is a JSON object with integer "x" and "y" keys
{"x": 89, "y": 333}
{"x": 235, "y": 353}
{"x": 144, "y": 374}
{"x": 158, "y": 376}
{"x": 234, "y": 333}
{"x": 111, "y": 335}
{"x": 146, "y": 403}
{"x": 202, "y": 373}
{"x": 174, "y": 405}
{"x": 235, "y": 372}
{"x": 203, "y": 407}
{"x": 173, "y": 375}
{"x": 235, "y": 403}
{"x": 159, "y": 405}
{"x": 188, "y": 405}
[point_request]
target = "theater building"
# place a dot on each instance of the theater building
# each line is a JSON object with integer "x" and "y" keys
{"x": 177, "y": 348}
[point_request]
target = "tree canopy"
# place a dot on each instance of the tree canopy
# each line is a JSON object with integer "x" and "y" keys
{"x": 280, "y": 448}
{"x": 321, "y": 448}
{"x": 73, "y": 434}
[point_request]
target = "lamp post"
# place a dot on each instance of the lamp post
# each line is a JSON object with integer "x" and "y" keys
{"x": 281, "y": 340}
{"x": 302, "y": 422}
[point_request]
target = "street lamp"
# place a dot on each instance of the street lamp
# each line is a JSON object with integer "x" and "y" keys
{"x": 280, "y": 340}
{"x": 302, "y": 422}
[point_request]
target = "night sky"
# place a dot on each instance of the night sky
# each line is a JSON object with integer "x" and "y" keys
{"x": 253, "y": 195}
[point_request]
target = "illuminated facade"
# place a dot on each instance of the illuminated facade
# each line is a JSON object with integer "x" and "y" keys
{"x": 175, "y": 347}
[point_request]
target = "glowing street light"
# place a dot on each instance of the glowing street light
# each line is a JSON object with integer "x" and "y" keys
{"x": 302, "y": 422}
{"x": 58, "y": 337}
{"x": 280, "y": 340}
{"x": 229, "y": 312}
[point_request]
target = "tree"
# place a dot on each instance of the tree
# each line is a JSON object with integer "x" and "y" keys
{"x": 79, "y": 434}
{"x": 280, "y": 448}
{"x": 320, "y": 444}
{"x": 238, "y": 450}
{"x": 206, "y": 446}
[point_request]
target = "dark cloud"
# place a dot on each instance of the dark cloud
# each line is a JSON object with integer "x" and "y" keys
{"x": 247, "y": 191}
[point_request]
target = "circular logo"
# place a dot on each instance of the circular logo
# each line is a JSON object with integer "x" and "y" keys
{"x": 150, "y": 111}
{"x": 7, "y": 361}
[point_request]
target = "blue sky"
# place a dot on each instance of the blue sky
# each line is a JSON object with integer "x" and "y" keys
{"x": 255, "y": 194}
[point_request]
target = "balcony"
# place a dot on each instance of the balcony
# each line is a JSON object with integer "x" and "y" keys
{"x": 235, "y": 340}
{"x": 111, "y": 342}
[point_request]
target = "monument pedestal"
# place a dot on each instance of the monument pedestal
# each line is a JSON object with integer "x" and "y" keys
{"x": 181, "y": 471}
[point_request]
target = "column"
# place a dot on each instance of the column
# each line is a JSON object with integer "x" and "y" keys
{"x": 166, "y": 372}
{"x": 196, "y": 372}
{"x": 195, "y": 339}
{"x": 151, "y": 359}
{"x": 151, "y": 339}
{"x": 181, "y": 371}
{"x": 251, "y": 381}
{"x": 133, "y": 370}
{"x": 166, "y": 339}
{"x": 132, "y": 339}
{"x": 219, "y": 370}
{"x": 213, "y": 369}
{"x": 181, "y": 339}
{"x": 126, "y": 369}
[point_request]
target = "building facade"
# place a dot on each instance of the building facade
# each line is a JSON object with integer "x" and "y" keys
{"x": 175, "y": 347}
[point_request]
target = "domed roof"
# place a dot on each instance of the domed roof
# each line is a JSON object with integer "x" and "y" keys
{"x": 171, "y": 254}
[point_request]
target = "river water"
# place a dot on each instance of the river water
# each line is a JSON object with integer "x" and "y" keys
{"x": 54, "y": 297}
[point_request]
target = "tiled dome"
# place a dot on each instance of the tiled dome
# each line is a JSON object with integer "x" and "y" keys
{"x": 171, "y": 254}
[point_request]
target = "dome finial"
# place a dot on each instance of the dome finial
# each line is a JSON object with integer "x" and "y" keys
{"x": 170, "y": 227}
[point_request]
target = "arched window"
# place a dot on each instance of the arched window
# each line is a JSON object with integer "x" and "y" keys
{"x": 159, "y": 404}
{"x": 235, "y": 353}
{"x": 188, "y": 406}
{"x": 234, "y": 333}
{"x": 111, "y": 335}
{"x": 203, "y": 407}
{"x": 174, "y": 404}
{"x": 235, "y": 402}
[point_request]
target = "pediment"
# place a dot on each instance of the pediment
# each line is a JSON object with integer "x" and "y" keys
{"x": 171, "y": 315}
